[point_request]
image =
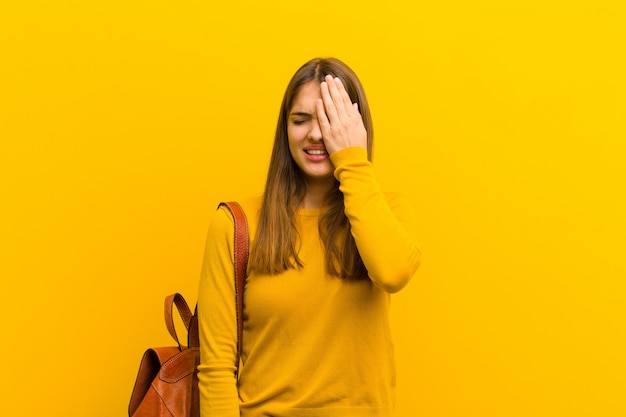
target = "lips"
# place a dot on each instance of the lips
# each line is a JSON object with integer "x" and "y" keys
{"x": 316, "y": 151}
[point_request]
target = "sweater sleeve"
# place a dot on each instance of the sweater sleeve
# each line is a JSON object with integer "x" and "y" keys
{"x": 383, "y": 226}
{"x": 217, "y": 321}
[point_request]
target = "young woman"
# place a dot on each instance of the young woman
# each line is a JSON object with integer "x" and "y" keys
{"x": 327, "y": 249}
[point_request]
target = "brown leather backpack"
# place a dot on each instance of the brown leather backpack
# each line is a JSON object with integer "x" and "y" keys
{"x": 167, "y": 381}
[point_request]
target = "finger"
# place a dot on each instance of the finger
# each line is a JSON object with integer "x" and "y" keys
{"x": 322, "y": 118}
{"x": 347, "y": 102}
{"x": 336, "y": 95}
{"x": 329, "y": 104}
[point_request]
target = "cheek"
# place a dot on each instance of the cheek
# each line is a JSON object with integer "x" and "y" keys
{"x": 296, "y": 133}
{"x": 292, "y": 143}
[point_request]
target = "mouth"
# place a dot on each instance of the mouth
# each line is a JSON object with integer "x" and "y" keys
{"x": 316, "y": 151}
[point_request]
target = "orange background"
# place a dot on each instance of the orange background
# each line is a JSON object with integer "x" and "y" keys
{"x": 123, "y": 124}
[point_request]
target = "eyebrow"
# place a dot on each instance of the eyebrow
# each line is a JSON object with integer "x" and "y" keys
{"x": 300, "y": 114}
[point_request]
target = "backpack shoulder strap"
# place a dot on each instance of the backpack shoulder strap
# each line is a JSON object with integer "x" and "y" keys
{"x": 242, "y": 251}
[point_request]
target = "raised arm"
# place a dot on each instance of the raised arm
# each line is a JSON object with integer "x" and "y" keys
{"x": 383, "y": 226}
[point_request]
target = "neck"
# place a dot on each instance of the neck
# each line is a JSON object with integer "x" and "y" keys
{"x": 316, "y": 193}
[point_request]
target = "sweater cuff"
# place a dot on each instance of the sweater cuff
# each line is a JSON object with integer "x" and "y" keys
{"x": 348, "y": 156}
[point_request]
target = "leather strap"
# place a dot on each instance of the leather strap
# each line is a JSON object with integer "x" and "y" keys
{"x": 242, "y": 251}
{"x": 241, "y": 245}
{"x": 183, "y": 310}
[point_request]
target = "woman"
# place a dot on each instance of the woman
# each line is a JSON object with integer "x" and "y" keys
{"x": 327, "y": 249}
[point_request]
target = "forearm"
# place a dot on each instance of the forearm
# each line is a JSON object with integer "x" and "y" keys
{"x": 384, "y": 230}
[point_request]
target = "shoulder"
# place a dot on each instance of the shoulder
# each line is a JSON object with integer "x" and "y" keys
{"x": 221, "y": 225}
{"x": 252, "y": 205}
{"x": 223, "y": 220}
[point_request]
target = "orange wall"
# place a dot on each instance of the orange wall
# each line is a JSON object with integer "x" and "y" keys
{"x": 504, "y": 122}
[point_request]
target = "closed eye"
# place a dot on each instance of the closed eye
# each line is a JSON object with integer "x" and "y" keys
{"x": 299, "y": 117}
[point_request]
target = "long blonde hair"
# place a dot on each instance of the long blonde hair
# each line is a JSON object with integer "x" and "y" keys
{"x": 274, "y": 250}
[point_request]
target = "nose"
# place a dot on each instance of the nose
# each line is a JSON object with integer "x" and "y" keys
{"x": 315, "y": 133}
